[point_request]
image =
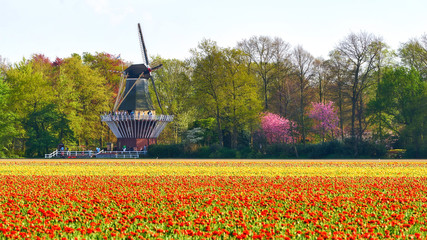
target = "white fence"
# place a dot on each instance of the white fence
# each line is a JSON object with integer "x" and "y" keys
{"x": 94, "y": 154}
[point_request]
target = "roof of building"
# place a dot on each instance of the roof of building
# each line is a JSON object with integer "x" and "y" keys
{"x": 135, "y": 70}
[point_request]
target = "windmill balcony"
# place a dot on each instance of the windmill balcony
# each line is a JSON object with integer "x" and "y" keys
{"x": 136, "y": 125}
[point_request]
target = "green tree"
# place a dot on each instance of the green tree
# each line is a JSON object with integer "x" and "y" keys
{"x": 30, "y": 88}
{"x": 202, "y": 131}
{"x": 110, "y": 68}
{"x": 8, "y": 130}
{"x": 225, "y": 90}
{"x": 243, "y": 105}
{"x": 175, "y": 92}
{"x": 414, "y": 54}
{"x": 45, "y": 128}
{"x": 209, "y": 81}
{"x": 402, "y": 97}
{"x": 30, "y": 91}
{"x": 85, "y": 97}
{"x": 377, "y": 119}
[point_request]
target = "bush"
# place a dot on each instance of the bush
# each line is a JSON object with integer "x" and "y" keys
{"x": 332, "y": 149}
{"x": 223, "y": 153}
{"x": 190, "y": 151}
{"x": 166, "y": 151}
{"x": 201, "y": 152}
{"x": 371, "y": 150}
{"x": 254, "y": 155}
{"x": 414, "y": 152}
{"x": 280, "y": 150}
{"x": 243, "y": 152}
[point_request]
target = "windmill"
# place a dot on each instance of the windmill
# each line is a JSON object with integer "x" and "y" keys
{"x": 133, "y": 120}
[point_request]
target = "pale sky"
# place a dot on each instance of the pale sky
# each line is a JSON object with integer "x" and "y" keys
{"x": 58, "y": 28}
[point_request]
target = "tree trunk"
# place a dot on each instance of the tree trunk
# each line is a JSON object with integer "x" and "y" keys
{"x": 320, "y": 91}
{"x": 234, "y": 130}
{"x": 302, "y": 110}
{"x": 360, "y": 118}
{"x": 234, "y": 138}
{"x": 218, "y": 121}
{"x": 379, "y": 115}
{"x": 293, "y": 141}
{"x": 354, "y": 100}
{"x": 353, "y": 119}
{"x": 265, "y": 95}
{"x": 340, "y": 104}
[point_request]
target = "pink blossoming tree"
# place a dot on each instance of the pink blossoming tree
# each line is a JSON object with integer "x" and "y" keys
{"x": 326, "y": 119}
{"x": 278, "y": 129}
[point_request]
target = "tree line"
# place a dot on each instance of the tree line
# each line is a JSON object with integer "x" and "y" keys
{"x": 220, "y": 95}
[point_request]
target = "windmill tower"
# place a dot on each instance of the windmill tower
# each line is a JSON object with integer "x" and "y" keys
{"x": 133, "y": 120}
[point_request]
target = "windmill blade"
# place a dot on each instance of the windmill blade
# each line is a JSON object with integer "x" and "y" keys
{"x": 157, "y": 95}
{"x": 120, "y": 92}
{"x": 145, "y": 58}
{"x": 143, "y": 49}
{"x": 157, "y": 66}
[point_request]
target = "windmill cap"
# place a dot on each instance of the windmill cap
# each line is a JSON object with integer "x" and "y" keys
{"x": 135, "y": 70}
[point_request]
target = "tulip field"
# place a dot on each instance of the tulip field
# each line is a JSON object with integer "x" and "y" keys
{"x": 212, "y": 200}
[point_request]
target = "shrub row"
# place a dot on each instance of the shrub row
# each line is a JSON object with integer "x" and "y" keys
{"x": 332, "y": 149}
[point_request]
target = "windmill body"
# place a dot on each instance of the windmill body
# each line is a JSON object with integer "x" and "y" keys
{"x": 133, "y": 120}
{"x": 138, "y": 97}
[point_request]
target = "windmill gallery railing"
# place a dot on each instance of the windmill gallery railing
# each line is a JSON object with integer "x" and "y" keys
{"x": 125, "y": 125}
